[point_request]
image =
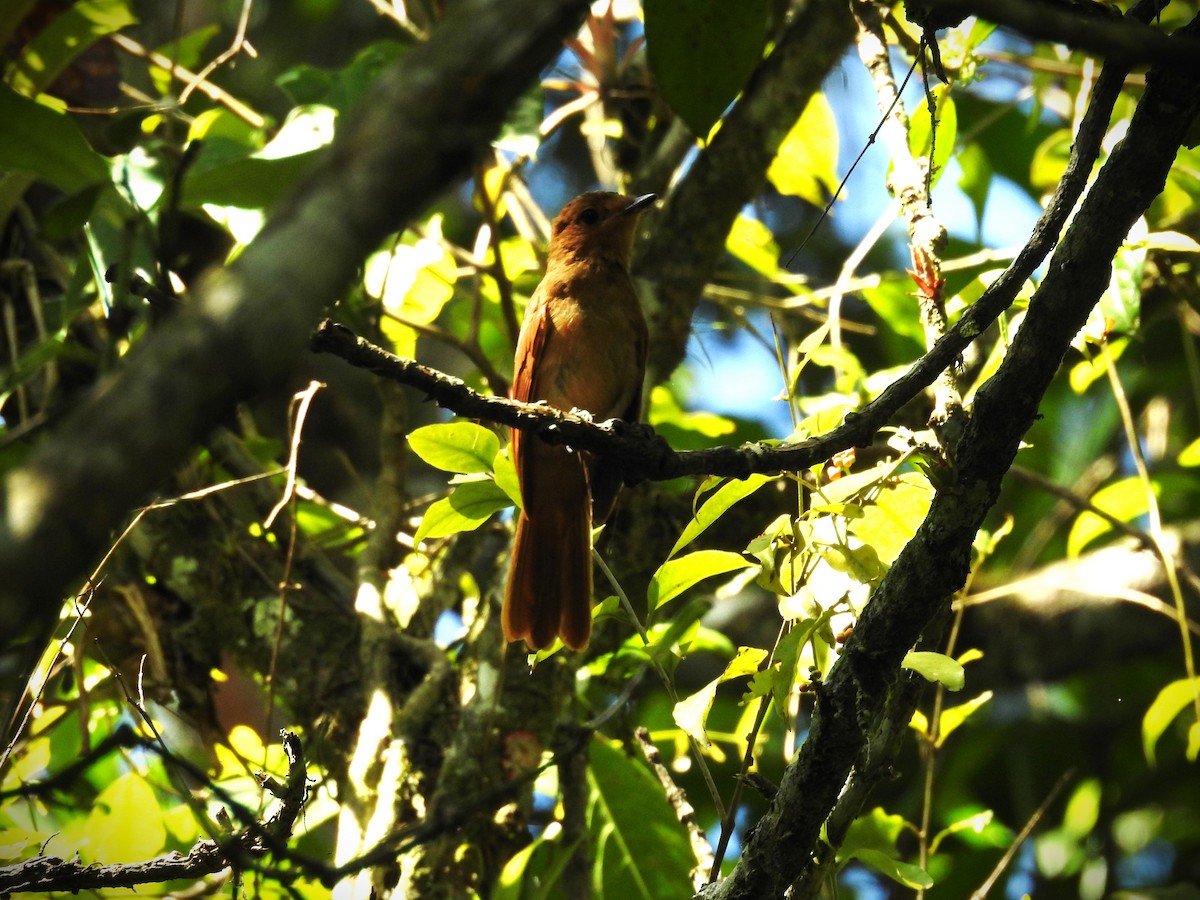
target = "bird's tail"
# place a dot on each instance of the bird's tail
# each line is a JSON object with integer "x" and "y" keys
{"x": 549, "y": 591}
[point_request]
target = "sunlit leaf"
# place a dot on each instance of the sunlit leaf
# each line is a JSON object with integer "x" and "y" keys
{"x": 806, "y": 164}
{"x": 1167, "y": 705}
{"x": 72, "y": 30}
{"x": 936, "y": 667}
{"x": 456, "y": 446}
{"x": 184, "y": 52}
{"x": 893, "y": 516}
{"x": 975, "y": 824}
{"x": 753, "y": 243}
{"x": 1083, "y": 808}
{"x": 907, "y": 874}
{"x": 717, "y": 504}
{"x": 1124, "y": 500}
{"x": 691, "y": 713}
{"x": 506, "y": 477}
{"x": 677, "y": 575}
{"x": 1190, "y": 455}
{"x": 126, "y": 824}
{"x": 921, "y": 138}
{"x": 954, "y": 716}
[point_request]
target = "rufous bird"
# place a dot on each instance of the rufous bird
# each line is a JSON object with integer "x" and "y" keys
{"x": 582, "y": 346}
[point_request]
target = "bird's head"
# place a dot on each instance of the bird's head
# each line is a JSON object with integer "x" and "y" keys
{"x": 598, "y": 225}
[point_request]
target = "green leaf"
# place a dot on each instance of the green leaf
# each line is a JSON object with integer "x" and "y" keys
{"x": 1169, "y": 703}
{"x": 956, "y": 715}
{"x": 897, "y": 510}
{"x": 677, "y": 575}
{"x": 69, "y": 33}
{"x": 686, "y": 429}
{"x": 754, "y": 244}
{"x": 806, "y": 163}
{"x": 186, "y": 53}
{"x": 876, "y": 830}
{"x": 126, "y": 824}
{"x": 640, "y": 850}
{"x": 936, "y": 667}
{"x": 506, "y": 478}
{"x": 904, "y": 873}
{"x": 920, "y": 133}
{"x": 342, "y": 88}
{"x": 716, "y": 505}
{"x": 1124, "y": 500}
{"x": 1190, "y": 455}
{"x": 1050, "y": 161}
{"x": 456, "y": 447}
{"x": 974, "y": 823}
{"x": 701, "y": 53}
{"x": 691, "y": 713}
{"x": 223, "y": 177}
{"x": 470, "y": 505}
{"x": 47, "y": 145}
{"x": 976, "y": 177}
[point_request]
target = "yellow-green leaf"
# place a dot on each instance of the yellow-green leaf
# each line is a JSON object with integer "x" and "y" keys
{"x": 1169, "y": 703}
{"x": 125, "y": 824}
{"x": 1124, "y": 500}
{"x": 956, "y": 715}
{"x": 1190, "y": 456}
{"x": 716, "y": 505}
{"x": 677, "y": 575}
{"x": 470, "y": 505}
{"x": 691, "y": 713}
{"x": 936, "y": 667}
{"x": 806, "y": 164}
{"x": 456, "y": 447}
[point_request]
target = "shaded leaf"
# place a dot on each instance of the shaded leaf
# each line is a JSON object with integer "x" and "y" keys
{"x": 701, "y": 53}
{"x": 47, "y": 145}
{"x": 640, "y": 849}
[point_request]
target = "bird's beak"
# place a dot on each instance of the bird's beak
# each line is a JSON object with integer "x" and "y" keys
{"x": 639, "y": 203}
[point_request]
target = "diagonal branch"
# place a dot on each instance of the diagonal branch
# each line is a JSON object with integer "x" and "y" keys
{"x": 934, "y": 564}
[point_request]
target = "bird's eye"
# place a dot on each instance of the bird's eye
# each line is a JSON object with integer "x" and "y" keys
{"x": 590, "y": 216}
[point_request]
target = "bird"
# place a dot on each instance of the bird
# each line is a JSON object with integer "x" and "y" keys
{"x": 582, "y": 345}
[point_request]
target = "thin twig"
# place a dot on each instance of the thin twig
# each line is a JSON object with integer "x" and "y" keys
{"x": 982, "y": 891}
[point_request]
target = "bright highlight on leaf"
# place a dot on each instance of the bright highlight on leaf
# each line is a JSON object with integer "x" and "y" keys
{"x": 1170, "y": 702}
{"x": 806, "y": 164}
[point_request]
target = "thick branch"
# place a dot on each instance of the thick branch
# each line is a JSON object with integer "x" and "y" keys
{"x": 419, "y": 129}
{"x": 1124, "y": 41}
{"x": 935, "y": 562}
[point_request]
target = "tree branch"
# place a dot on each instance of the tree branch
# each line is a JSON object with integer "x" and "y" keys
{"x": 419, "y": 129}
{"x": 1122, "y": 40}
{"x": 935, "y": 562}
{"x": 49, "y": 873}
